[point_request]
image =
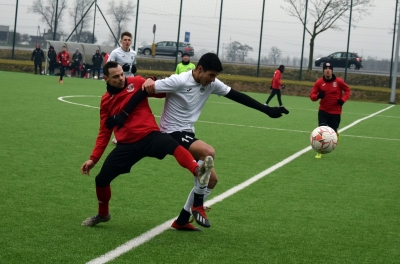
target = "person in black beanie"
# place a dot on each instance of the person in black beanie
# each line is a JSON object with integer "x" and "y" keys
{"x": 185, "y": 65}
{"x": 333, "y": 92}
{"x": 51, "y": 58}
{"x": 38, "y": 57}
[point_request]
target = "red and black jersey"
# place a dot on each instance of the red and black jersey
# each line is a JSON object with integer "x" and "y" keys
{"x": 334, "y": 89}
{"x": 63, "y": 56}
{"x": 276, "y": 80}
{"x": 138, "y": 124}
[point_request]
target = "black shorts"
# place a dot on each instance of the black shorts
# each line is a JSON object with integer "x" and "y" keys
{"x": 326, "y": 119}
{"x": 185, "y": 139}
{"x": 124, "y": 156}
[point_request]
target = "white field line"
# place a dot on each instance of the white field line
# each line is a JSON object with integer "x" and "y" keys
{"x": 143, "y": 238}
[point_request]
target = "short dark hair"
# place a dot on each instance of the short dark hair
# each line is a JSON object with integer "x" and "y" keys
{"x": 126, "y": 33}
{"x": 210, "y": 62}
{"x": 282, "y": 67}
{"x": 109, "y": 65}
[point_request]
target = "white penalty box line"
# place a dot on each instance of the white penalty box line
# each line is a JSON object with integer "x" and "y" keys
{"x": 143, "y": 238}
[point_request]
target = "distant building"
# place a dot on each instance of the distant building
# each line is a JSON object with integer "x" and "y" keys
{"x": 49, "y": 35}
{"x": 4, "y": 34}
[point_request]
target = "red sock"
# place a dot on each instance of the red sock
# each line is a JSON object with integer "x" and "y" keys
{"x": 185, "y": 159}
{"x": 103, "y": 197}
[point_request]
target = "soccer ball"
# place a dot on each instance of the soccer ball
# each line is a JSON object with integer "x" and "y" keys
{"x": 323, "y": 139}
{"x": 95, "y": 77}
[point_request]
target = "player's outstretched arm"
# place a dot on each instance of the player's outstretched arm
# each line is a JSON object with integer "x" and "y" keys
{"x": 241, "y": 98}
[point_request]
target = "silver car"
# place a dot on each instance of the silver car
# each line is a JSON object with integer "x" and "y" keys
{"x": 168, "y": 48}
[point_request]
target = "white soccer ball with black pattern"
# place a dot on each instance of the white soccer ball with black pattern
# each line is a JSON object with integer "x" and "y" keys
{"x": 323, "y": 139}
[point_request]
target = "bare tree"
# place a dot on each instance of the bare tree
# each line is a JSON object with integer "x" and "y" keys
{"x": 121, "y": 14}
{"x": 47, "y": 11}
{"x": 295, "y": 61}
{"x": 325, "y": 14}
{"x": 236, "y": 51}
{"x": 77, "y": 13}
{"x": 275, "y": 55}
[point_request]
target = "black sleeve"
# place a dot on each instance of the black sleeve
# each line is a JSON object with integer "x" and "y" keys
{"x": 246, "y": 100}
{"x": 134, "y": 101}
{"x": 133, "y": 69}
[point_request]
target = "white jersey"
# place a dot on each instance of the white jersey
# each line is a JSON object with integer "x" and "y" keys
{"x": 184, "y": 101}
{"x": 124, "y": 57}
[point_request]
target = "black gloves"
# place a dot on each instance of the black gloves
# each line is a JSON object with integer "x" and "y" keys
{"x": 321, "y": 95}
{"x": 270, "y": 87}
{"x": 126, "y": 67}
{"x": 275, "y": 112}
{"x": 116, "y": 120}
{"x": 340, "y": 102}
{"x": 133, "y": 69}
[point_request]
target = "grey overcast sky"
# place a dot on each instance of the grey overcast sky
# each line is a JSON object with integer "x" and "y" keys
{"x": 241, "y": 21}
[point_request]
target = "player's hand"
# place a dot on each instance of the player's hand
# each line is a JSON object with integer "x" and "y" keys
{"x": 87, "y": 166}
{"x": 283, "y": 86}
{"x": 126, "y": 67}
{"x": 149, "y": 86}
{"x": 275, "y": 112}
{"x": 340, "y": 102}
{"x": 321, "y": 95}
{"x": 116, "y": 120}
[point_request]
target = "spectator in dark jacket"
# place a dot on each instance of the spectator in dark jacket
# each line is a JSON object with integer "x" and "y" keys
{"x": 97, "y": 61}
{"x": 76, "y": 62}
{"x": 51, "y": 58}
{"x": 38, "y": 58}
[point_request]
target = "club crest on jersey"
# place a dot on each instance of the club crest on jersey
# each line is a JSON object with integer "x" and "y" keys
{"x": 188, "y": 89}
{"x": 130, "y": 87}
{"x": 334, "y": 84}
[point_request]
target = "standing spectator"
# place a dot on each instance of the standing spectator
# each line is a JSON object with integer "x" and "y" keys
{"x": 276, "y": 85}
{"x": 333, "y": 92}
{"x": 63, "y": 60}
{"x": 38, "y": 58}
{"x": 124, "y": 55}
{"x": 51, "y": 58}
{"x": 76, "y": 62}
{"x": 97, "y": 61}
{"x": 185, "y": 65}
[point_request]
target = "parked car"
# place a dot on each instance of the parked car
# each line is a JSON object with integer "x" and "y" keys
{"x": 338, "y": 59}
{"x": 168, "y": 48}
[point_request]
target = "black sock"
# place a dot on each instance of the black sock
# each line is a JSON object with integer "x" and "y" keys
{"x": 183, "y": 217}
{"x": 198, "y": 199}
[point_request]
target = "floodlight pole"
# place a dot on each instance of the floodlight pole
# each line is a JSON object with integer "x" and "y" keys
{"x": 177, "y": 41}
{"x": 55, "y": 21}
{"x": 348, "y": 42}
{"x": 15, "y": 30}
{"x": 261, "y": 31}
{"x": 136, "y": 25}
{"x": 396, "y": 62}
{"x": 219, "y": 28}
{"x": 394, "y": 37}
{"x": 302, "y": 45}
{"x": 94, "y": 19}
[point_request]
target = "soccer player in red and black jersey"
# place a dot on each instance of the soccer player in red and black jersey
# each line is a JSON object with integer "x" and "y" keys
{"x": 63, "y": 60}
{"x": 276, "y": 85}
{"x": 139, "y": 137}
{"x": 333, "y": 92}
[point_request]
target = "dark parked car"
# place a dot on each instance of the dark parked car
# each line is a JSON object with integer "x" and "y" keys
{"x": 168, "y": 48}
{"x": 338, "y": 59}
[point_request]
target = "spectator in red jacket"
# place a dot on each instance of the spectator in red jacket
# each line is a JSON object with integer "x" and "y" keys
{"x": 139, "y": 137}
{"x": 276, "y": 86}
{"x": 333, "y": 92}
{"x": 63, "y": 60}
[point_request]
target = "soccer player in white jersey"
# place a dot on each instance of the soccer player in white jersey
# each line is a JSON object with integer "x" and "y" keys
{"x": 126, "y": 57}
{"x": 186, "y": 95}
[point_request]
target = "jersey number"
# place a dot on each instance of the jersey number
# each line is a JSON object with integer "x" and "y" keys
{"x": 185, "y": 138}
